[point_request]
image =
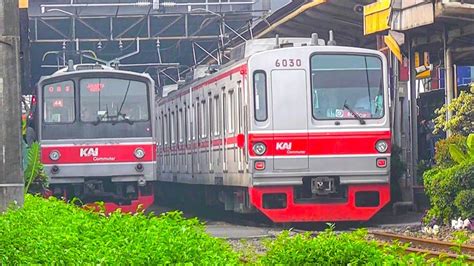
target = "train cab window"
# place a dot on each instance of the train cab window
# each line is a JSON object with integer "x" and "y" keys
{"x": 58, "y": 103}
{"x": 112, "y": 99}
{"x": 346, "y": 86}
{"x": 260, "y": 95}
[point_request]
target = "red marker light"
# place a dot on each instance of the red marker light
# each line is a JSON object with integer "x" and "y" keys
{"x": 67, "y": 88}
{"x": 381, "y": 163}
{"x": 59, "y": 89}
{"x": 51, "y": 89}
{"x": 260, "y": 165}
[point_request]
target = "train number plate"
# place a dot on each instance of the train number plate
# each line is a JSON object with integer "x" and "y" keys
{"x": 288, "y": 62}
{"x": 323, "y": 185}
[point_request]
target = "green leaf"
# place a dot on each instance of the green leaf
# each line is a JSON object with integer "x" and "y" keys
{"x": 456, "y": 154}
{"x": 34, "y": 166}
{"x": 470, "y": 145}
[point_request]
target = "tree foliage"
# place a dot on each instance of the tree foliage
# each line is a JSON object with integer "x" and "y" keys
{"x": 462, "y": 120}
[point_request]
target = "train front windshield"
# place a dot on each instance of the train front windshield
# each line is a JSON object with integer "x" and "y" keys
{"x": 347, "y": 87}
{"x": 113, "y": 100}
{"x": 88, "y": 108}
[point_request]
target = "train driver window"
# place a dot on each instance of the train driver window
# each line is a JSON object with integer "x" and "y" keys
{"x": 346, "y": 86}
{"x": 58, "y": 104}
{"x": 260, "y": 95}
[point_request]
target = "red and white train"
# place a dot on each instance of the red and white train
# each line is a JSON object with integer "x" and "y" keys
{"x": 96, "y": 129}
{"x": 293, "y": 128}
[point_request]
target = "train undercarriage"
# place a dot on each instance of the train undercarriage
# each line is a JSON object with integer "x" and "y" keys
{"x": 127, "y": 196}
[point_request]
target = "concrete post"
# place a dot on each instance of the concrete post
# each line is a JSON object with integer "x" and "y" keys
{"x": 413, "y": 118}
{"x": 11, "y": 177}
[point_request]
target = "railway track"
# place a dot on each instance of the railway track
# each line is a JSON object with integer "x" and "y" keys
{"x": 430, "y": 247}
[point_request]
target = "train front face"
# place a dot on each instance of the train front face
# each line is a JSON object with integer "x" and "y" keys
{"x": 95, "y": 130}
{"x": 319, "y": 143}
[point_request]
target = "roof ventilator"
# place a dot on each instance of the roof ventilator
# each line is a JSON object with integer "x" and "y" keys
{"x": 314, "y": 39}
{"x": 331, "y": 41}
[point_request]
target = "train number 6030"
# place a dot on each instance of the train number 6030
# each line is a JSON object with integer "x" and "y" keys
{"x": 288, "y": 63}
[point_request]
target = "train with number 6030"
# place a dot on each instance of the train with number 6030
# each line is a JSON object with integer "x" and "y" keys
{"x": 294, "y": 128}
{"x": 96, "y": 127}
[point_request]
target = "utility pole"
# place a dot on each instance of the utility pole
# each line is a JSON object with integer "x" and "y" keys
{"x": 11, "y": 177}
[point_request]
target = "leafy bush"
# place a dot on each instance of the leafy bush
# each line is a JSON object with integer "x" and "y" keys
{"x": 457, "y": 153}
{"x": 330, "y": 248}
{"x": 465, "y": 203}
{"x": 443, "y": 157}
{"x": 51, "y": 231}
{"x": 462, "y": 120}
{"x": 442, "y": 186}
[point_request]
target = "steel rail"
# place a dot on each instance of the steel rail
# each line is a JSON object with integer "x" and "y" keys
{"x": 431, "y": 247}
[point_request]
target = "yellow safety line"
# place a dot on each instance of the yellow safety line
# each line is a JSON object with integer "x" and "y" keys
{"x": 295, "y": 13}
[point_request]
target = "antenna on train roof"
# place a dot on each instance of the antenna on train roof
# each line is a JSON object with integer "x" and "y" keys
{"x": 70, "y": 65}
{"x": 314, "y": 39}
{"x": 331, "y": 38}
{"x": 277, "y": 39}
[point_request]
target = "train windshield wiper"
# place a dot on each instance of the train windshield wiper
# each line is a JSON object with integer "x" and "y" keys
{"x": 124, "y": 119}
{"x": 361, "y": 120}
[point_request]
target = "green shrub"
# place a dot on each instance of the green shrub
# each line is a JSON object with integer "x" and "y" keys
{"x": 330, "y": 248}
{"x": 442, "y": 186}
{"x": 465, "y": 203}
{"x": 442, "y": 156}
{"x": 51, "y": 231}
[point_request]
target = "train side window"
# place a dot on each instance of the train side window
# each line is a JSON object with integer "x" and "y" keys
{"x": 180, "y": 125}
{"x": 217, "y": 115}
{"x": 160, "y": 130}
{"x": 211, "y": 115}
{"x": 188, "y": 121}
{"x": 198, "y": 119}
{"x": 165, "y": 129}
{"x": 224, "y": 113}
{"x": 58, "y": 102}
{"x": 173, "y": 131}
{"x": 231, "y": 112}
{"x": 239, "y": 106}
{"x": 205, "y": 117}
{"x": 260, "y": 95}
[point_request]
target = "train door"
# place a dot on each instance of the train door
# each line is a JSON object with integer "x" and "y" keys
{"x": 290, "y": 119}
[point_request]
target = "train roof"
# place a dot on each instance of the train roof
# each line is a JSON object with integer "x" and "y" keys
{"x": 90, "y": 68}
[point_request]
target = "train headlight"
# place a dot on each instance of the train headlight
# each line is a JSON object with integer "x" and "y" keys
{"x": 139, "y": 153}
{"x": 259, "y": 148}
{"x": 54, "y": 155}
{"x": 381, "y": 146}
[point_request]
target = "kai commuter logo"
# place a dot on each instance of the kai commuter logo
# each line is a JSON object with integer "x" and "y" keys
{"x": 283, "y": 146}
{"x": 89, "y": 152}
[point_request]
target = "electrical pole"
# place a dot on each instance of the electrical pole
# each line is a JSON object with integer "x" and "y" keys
{"x": 11, "y": 177}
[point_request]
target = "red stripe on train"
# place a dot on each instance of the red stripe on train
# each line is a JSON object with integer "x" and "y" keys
{"x": 327, "y": 143}
{"x": 110, "y": 153}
